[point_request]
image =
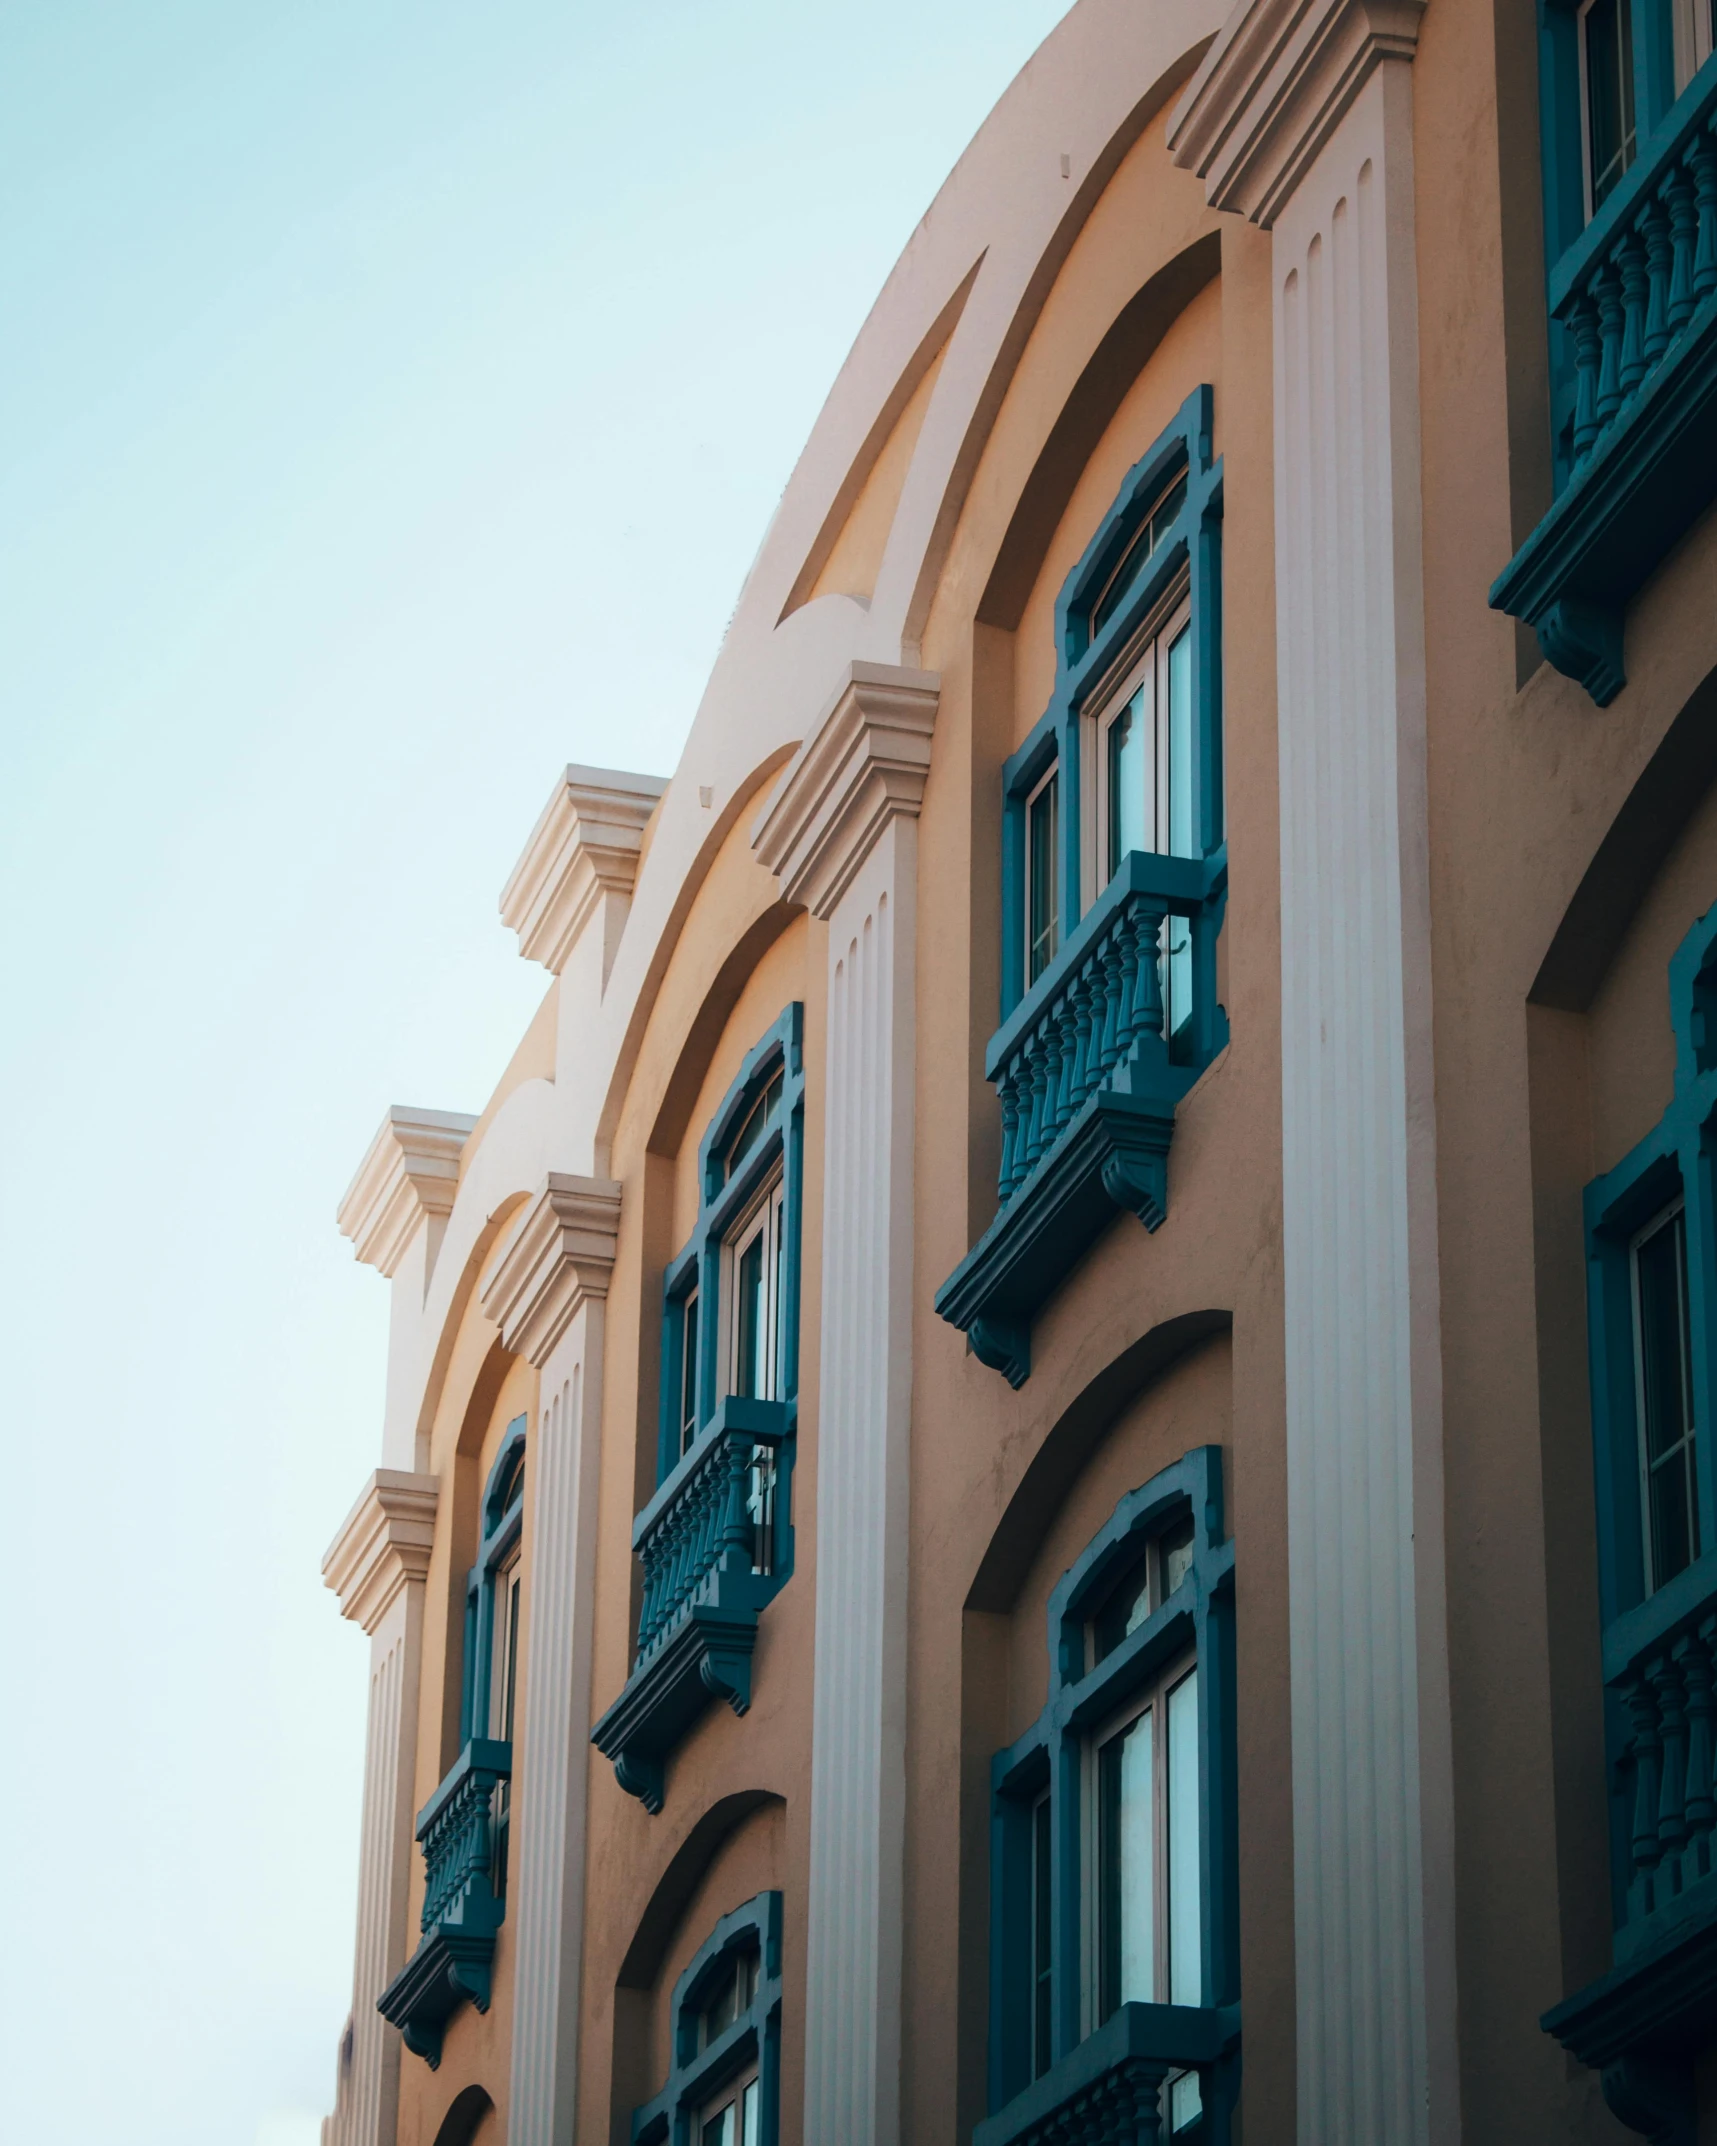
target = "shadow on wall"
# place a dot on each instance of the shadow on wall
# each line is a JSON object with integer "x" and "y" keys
{"x": 464, "y": 2119}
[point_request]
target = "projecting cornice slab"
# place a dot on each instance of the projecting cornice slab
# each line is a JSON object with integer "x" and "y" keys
{"x": 384, "y": 1543}
{"x": 866, "y": 761}
{"x": 561, "y": 1256}
{"x": 1273, "y": 88}
{"x": 410, "y": 1174}
{"x": 587, "y": 843}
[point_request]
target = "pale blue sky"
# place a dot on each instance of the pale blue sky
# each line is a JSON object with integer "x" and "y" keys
{"x": 391, "y": 400}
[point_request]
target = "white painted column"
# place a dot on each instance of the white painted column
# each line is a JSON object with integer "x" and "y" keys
{"x": 378, "y": 1564}
{"x": 1303, "y": 118}
{"x": 548, "y": 1296}
{"x": 842, "y": 833}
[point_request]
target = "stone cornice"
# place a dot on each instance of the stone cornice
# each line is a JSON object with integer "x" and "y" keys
{"x": 384, "y": 1543}
{"x": 561, "y": 1256}
{"x": 587, "y": 843}
{"x": 865, "y": 761}
{"x": 1273, "y": 88}
{"x": 410, "y": 1172}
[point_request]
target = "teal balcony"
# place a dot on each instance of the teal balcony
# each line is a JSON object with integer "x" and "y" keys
{"x": 1111, "y": 2088}
{"x": 716, "y": 1545}
{"x": 1088, "y": 1089}
{"x": 1635, "y": 298}
{"x": 464, "y": 1842}
{"x": 1644, "y": 2022}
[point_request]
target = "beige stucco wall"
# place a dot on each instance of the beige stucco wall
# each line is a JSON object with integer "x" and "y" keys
{"x": 1535, "y": 1091}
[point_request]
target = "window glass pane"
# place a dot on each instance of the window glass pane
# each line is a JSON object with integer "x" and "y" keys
{"x": 721, "y": 2009}
{"x": 751, "y": 2120}
{"x": 718, "y": 2129}
{"x": 503, "y": 1675}
{"x": 689, "y": 1373}
{"x": 1186, "y": 1950}
{"x": 755, "y": 1126}
{"x": 1608, "y": 38}
{"x": 1041, "y": 1936}
{"x": 748, "y": 1281}
{"x": 1128, "y": 751}
{"x": 1186, "y": 2104}
{"x": 1042, "y": 913}
{"x": 760, "y": 1503}
{"x": 1126, "y": 1833}
{"x": 1179, "y": 833}
{"x": 1126, "y": 1609}
{"x": 1664, "y": 1387}
{"x": 1176, "y": 1550}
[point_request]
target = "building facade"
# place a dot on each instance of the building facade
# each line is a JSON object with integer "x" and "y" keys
{"x": 1047, "y": 1470}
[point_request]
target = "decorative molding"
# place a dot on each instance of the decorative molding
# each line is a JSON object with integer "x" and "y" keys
{"x": 586, "y": 843}
{"x": 384, "y": 1542}
{"x": 865, "y": 761}
{"x": 410, "y": 1172}
{"x": 561, "y": 1256}
{"x": 1274, "y": 87}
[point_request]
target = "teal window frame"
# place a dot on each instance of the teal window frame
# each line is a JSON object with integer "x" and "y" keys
{"x": 724, "y": 1196}
{"x": 1198, "y": 1616}
{"x": 754, "y": 2035}
{"x": 1677, "y": 1159}
{"x": 1187, "y": 542}
{"x": 503, "y": 1520}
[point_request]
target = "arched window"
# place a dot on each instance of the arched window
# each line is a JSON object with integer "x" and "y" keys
{"x": 463, "y": 1829}
{"x": 724, "y": 2081}
{"x": 1114, "y": 1964}
{"x": 716, "y": 1540}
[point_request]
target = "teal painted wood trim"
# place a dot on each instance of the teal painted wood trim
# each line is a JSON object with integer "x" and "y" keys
{"x": 1191, "y": 543}
{"x": 1088, "y": 1096}
{"x": 1645, "y": 2024}
{"x": 1659, "y": 1650}
{"x": 462, "y": 1905}
{"x": 720, "y": 1204}
{"x": 1201, "y": 1613}
{"x": 503, "y": 1519}
{"x": 1633, "y": 355}
{"x": 696, "y": 2075}
{"x": 1110, "y": 2086}
{"x": 702, "y": 1596}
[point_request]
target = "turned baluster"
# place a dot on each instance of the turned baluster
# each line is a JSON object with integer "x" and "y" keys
{"x": 1630, "y": 255}
{"x": 1588, "y": 346}
{"x": 1127, "y": 984}
{"x": 1068, "y": 1015}
{"x": 1079, "y": 993}
{"x": 1693, "y": 1659}
{"x": 1031, "y": 1077}
{"x": 1148, "y": 926}
{"x": 1661, "y": 1675}
{"x": 1653, "y": 227}
{"x": 1642, "y": 1712}
{"x": 1009, "y": 1097}
{"x": 1607, "y": 289}
{"x": 1683, "y": 215}
{"x": 737, "y": 1545}
{"x": 1054, "y": 1074}
{"x": 1702, "y": 161}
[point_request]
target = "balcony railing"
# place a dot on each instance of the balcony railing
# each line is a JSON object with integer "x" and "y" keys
{"x": 463, "y": 1900}
{"x": 1636, "y": 295}
{"x": 1109, "y": 2091}
{"x": 715, "y": 1543}
{"x": 1088, "y": 1090}
{"x": 1660, "y": 1666}
{"x": 1644, "y": 2024}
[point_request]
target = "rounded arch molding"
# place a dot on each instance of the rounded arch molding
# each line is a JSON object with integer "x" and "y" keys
{"x": 1071, "y": 1441}
{"x": 686, "y": 1870}
{"x": 1665, "y": 795}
